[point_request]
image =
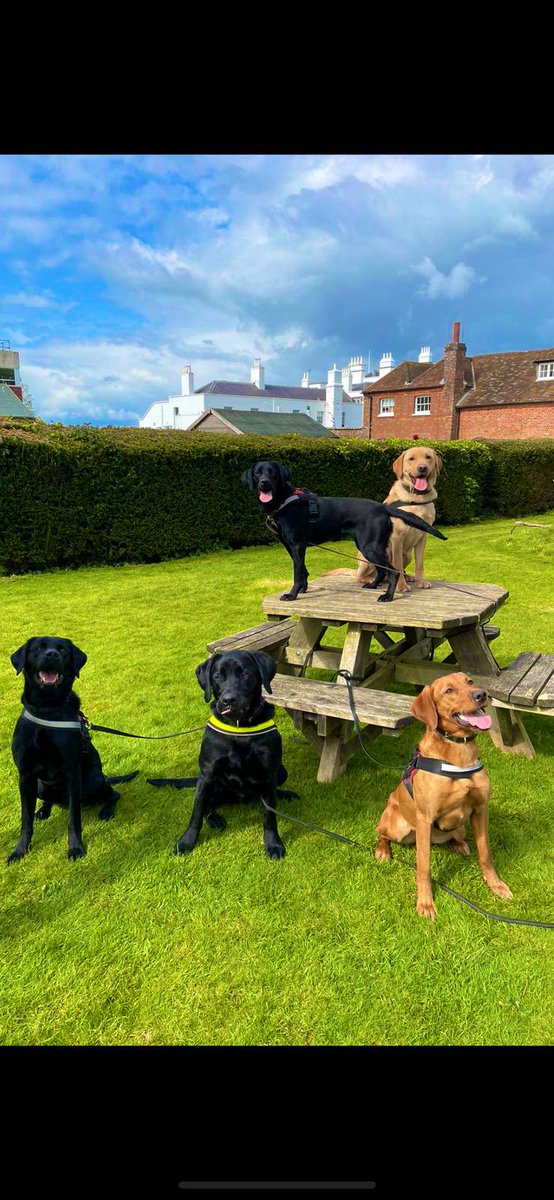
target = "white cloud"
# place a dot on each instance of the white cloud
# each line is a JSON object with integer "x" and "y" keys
{"x": 456, "y": 283}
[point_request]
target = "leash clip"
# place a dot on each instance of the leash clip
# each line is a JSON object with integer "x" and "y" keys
{"x": 84, "y": 720}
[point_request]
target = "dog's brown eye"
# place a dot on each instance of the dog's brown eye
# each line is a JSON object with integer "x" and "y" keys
{"x": 447, "y": 690}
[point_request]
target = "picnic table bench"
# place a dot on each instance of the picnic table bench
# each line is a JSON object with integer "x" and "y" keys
{"x": 455, "y": 613}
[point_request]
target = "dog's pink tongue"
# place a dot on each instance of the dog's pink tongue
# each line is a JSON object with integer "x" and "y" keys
{"x": 420, "y": 484}
{"x": 265, "y": 497}
{"x": 479, "y": 720}
{"x": 49, "y": 676}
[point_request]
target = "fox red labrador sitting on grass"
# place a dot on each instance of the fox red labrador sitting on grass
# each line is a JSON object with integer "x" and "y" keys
{"x": 444, "y": 785}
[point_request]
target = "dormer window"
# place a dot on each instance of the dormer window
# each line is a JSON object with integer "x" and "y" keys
{"x": 545, "y": 370}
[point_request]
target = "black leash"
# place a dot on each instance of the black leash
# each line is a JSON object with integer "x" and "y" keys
{"x": 411, "y": 866}
{"x": 156, "y": 737}
{"x": 456, "y": 587}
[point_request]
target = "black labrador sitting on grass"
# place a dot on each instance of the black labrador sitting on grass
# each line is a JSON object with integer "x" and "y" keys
{"x": 52, "y": 748}
{"x": 368, "y": 522}
{"x": 240, "y": 755}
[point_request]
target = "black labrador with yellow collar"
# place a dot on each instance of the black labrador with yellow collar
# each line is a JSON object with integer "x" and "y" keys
{"x": 367, "y": 521}
{"x": 240, "y": 755}
{"x": 52, "y": 747}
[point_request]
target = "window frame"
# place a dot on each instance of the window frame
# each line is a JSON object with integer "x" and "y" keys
{"x": 386, "y": 400}
{"x": 421, "y": 412}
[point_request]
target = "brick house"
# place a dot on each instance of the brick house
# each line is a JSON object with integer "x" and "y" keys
{"x": 507, "y": 395}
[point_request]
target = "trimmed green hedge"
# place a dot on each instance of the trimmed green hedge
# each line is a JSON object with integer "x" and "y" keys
{"x": 521, "y": 476}
{"x": 75, "y": 495}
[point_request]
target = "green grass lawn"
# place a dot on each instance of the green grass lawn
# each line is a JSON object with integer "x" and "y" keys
{"x": 132, "y": 945}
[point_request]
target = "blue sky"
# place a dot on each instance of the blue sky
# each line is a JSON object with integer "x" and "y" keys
{"x": 116, "y": 270}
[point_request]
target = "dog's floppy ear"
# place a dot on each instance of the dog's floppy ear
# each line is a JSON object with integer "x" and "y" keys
{"x": 79, "y": 659}
{"x": 438, "y": 463}
{"x": 266, "y": 666}
{"x": 18, "y": 658}
{"x": 284, "y": 473}
{"x": 398, "y": 465}
{"x": 423, "y": 707}
{"x": 247, "y": 477}
{"x": 204, "y": 676}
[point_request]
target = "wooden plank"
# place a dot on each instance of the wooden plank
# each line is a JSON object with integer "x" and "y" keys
{"x": 440, "y": 609}
{"x": 511, "y": 676}
{"x": 326, "y": 658}
{"x": 545, "y": 701}
{"x": 528, "y": 691}
{"x": 260, "y": 636}
{"x": 373, "y": 706}
{"x": 537, "y": 712}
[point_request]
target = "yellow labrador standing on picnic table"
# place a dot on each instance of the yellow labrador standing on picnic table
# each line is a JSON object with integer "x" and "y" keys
{"x": 416, "y": 473}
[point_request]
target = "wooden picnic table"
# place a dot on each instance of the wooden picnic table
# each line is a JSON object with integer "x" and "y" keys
{"x": 454, "y": 613}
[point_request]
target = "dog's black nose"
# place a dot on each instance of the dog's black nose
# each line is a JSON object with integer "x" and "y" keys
{"x": 422, "y": 470}
{"x": 51, "y": 654}
{"x": 479, "y": 696}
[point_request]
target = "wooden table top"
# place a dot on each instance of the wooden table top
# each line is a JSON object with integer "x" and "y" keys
{"x": 340, "y": 600}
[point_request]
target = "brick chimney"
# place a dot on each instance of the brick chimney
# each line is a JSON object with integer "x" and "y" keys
{"x": 454, "y": 387}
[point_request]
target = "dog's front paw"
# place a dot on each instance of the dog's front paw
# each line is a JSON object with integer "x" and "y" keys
{"x": 43, "y": 813}
{"x": 383, "y": 850}
{"x": 459, "y": 847}
{"x": 426, "y": 908}
{"x": 499, "y": 888}
{"x": 186, "y": 843}
{"x": 422, "y": 583}
{"x": 107, "y": 811}
{"x": 19, "y": 852}
{"x": 216, "y": 821}
{"x": 76, "y": 852}
{"x": 288, "y": 596}
{"x": 385, "y": 599}
{"x": 275, "y": 849}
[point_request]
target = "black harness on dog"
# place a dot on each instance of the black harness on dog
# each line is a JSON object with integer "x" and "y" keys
{"x": 435, "y": 766}
{"x": 302, "y": 494}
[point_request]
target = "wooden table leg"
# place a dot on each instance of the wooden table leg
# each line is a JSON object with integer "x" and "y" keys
{"x": 355, "y": 653}
{"x": 303, "y": 639}
{"x": 474, "y": 657}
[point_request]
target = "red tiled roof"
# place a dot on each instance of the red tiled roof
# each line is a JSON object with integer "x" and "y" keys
{"x": 490, "y": 379}
{"x": 509, "y": 379}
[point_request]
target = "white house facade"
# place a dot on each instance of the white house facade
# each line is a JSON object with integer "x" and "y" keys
{"x": 336, "y": 403}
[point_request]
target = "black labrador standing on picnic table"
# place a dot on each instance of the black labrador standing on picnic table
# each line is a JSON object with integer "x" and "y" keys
{"x": 240, "y": 755}
{"x": 301, "y": 518}
{"x": 52, "y": 748}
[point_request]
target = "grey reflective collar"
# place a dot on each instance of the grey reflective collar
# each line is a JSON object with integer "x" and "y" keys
{"x": 52, "y": 724}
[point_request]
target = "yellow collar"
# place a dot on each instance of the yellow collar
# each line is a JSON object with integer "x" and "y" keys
{"x": 240, "y": 730}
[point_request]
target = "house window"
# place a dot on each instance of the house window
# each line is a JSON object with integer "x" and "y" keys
{"x": 343, "y": 420}
{"x": 175, "y": 412}
{"x": 386, "y": 408}
{"x": 254, "y": 410}
{"x": 296, "y": 410}
{"x": 320, "y": 417}
{"x": 422, "y": 405}
{"x": 227, "y": 408}
{"x": 546, "y": 371}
